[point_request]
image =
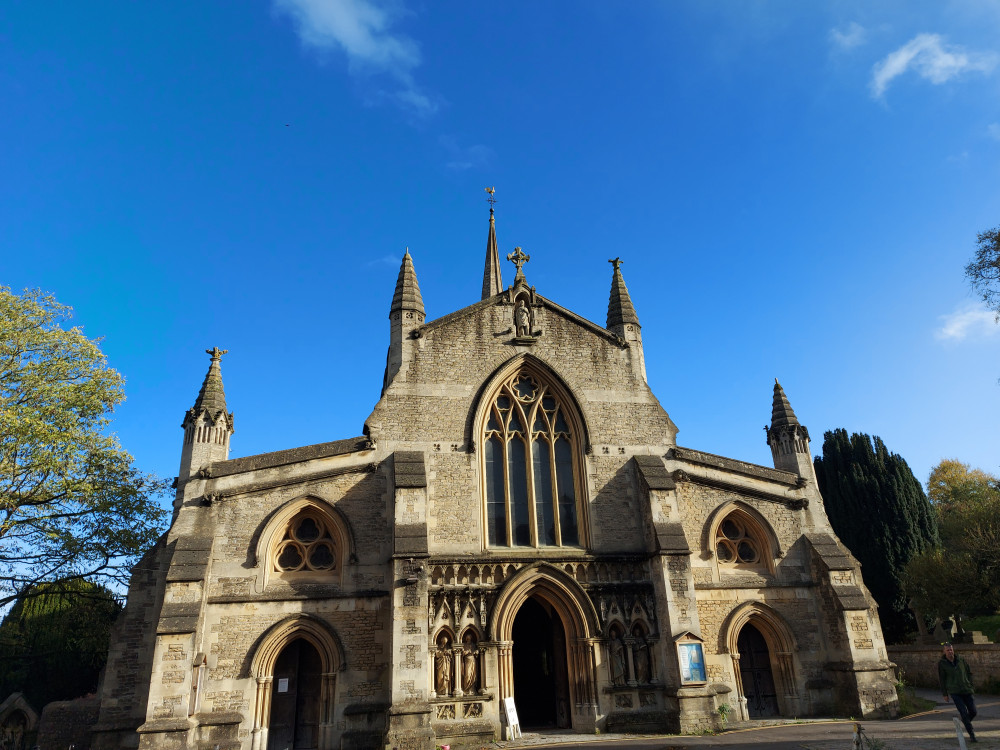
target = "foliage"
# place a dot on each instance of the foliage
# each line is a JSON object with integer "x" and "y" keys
{"x": 72, "y": 502}
{"x": 724, "y": 711}
{"x": 54, "y": 641}
{"x": 962, "y": 576}
{"x": 879, "y": 510}
{"x": 983, "y": 271}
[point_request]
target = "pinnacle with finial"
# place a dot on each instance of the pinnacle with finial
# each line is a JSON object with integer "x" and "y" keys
{"x": 492, "y": 282}
{"x": 407, "y": 295}
{"x": 620, "y": 307}
{"x": 781, "y": 409}
{"x": 212, "y": 396}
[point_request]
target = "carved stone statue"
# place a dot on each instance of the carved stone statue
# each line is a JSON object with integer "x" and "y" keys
{"x": 522, "y": 319}
{"x": 617, "y": 659}
{"x": 470, "y": 668}
{"x": 442, "y": 666}
{"x": 640, "y": 655}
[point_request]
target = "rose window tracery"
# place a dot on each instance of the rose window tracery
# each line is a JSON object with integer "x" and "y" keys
{"x": 308, "y": 545}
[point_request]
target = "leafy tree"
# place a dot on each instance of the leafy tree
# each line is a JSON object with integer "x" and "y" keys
{"x": 983, "y": 271}
{"x": 72, "y": 502}
{"x": 54, "y": 641}
{"x": 880, "y": 511}
{"x": 962, "y": 576}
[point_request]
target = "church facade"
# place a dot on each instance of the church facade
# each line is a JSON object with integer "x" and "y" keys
{"x": 515, "y": 527}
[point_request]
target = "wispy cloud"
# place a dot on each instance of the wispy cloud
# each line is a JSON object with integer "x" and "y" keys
{"x": 928, "y": 57}
{"x": 850, "y": 36}
{"x": 970, "y": 321}
{"x": 362, "y": 30}
{"x": 461, "y": 158}
{"x": 994, "y": 130}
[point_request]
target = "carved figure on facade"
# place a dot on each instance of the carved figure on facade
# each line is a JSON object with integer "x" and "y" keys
{"x": 618, "y": 657}
{"x": 640, "y": 655}
{"x": 470, "y": 663}
{"x": 442, "y": 666}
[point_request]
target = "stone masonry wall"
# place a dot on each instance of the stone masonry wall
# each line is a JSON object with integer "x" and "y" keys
{"x": 918, "y": 664}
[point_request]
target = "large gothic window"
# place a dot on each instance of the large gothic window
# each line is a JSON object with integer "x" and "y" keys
{"x": 528, "y": 447}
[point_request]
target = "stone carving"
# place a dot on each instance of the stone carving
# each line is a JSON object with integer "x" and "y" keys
{"x": 640, "y": 655}
{"x": 442, "y": 666}
{"x": 623, "y": 700}
{"x": 447, "y": 711}
{"x": 522, "y": 320}
{"x": 618, "y": 666}
{"x": 470, "y": 669}
{"x": 647, "y": 699}
{"x": 472, "y": 710}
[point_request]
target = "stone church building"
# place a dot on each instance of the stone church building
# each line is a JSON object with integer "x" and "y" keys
{"x": 516, "y": 522}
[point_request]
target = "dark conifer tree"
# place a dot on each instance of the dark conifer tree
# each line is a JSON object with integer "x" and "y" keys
{"x": 879, "y": 510}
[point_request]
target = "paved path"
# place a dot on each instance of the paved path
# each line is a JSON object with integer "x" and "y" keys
{"x": 932, "y": 730}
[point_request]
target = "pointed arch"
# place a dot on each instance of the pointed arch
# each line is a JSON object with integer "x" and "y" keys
{"x": 577, "y": 615}
{"x": 533, "y": 479}
{"x": 781, "y": 648}
{"x": 334, "y": 530}
{"x": 755, "y": 528}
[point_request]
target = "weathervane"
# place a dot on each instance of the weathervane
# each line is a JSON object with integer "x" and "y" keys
{"x": 491, "y": 200}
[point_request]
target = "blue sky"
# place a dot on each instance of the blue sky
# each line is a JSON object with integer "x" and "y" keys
{"x": 794, "y": 188}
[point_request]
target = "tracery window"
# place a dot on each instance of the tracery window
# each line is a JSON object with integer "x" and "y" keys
{"x": 308, "y": 545}
{"x": 741, "y": 543}
{"x": 530, "y": 485}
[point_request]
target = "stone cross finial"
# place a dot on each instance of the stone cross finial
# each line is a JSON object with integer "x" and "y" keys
{"x": 518, "y": 258}
{"x": 616, "y": 262}
{"x": 216, "y": 353}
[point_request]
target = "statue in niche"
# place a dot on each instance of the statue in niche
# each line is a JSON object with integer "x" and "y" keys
{"x": 522, "y": 319}
{"x": 640, "y": 655}
{"x": 442, "y": 666}
{"x": 470, "y": 674}
{"x": 618, "y": 657}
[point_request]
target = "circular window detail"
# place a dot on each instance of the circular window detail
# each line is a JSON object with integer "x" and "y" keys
{"x": 736, "y": 544}
{"x": 308, "y": 545}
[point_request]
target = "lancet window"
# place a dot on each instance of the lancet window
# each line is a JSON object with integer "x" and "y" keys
{"x": 529, "y": 458}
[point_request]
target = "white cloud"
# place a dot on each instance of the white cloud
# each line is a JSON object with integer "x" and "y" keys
{"x": 850, "y": 36}
{"x": 461, "y": 158}
{"x": 994, "y": 130}
{"x": 972, "y": 320}
{"x": 930, "y": 59}
{"x": 361, "y": 29}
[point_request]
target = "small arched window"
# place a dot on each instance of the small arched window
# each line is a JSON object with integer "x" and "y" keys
{"x": 741, "y": 544}
{"x": 309, "y": 544}
{"x": 529, "y": 455}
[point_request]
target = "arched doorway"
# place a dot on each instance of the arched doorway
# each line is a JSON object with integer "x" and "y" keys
{"x": 295, "y": 700}
{"x": 755, "y": 673}
{"x": 541, "y": 684}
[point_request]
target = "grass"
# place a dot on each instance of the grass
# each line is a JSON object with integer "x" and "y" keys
{"x": 910, "y": 702}
{"x": 987, "y": 624}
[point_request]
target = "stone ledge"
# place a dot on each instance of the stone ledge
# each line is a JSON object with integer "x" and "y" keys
{"x": 730, "y": 464}
{"x": 285, "y": 457}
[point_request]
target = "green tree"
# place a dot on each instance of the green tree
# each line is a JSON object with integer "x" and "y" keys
{"x": 879, "y": 510}
{"x": 983, "y": 271}
{"x": 962, "y": 576}
{"x": 54, "y": 641}
{"x": 73, "y": 504}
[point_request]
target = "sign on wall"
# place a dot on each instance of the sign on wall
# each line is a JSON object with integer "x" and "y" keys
{"x": 691, "y": 657}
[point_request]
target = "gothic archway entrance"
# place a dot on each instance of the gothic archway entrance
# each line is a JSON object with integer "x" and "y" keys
{"x": 295, "y": 700}
{"x": 755, "y": 673}
{"x": 541, "y": 682}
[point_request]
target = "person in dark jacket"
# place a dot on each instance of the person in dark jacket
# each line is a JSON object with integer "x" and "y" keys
{"x": 956, "y": 683}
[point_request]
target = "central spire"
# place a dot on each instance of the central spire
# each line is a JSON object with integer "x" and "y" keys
{"x": 212, "y": 396}
{"x": 492, "y": 283}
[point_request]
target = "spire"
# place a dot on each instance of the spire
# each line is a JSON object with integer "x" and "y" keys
{"x": 781, "y": 411}
{"x": 788, "y": 439}
{"x": 492, "y": 283}
{"x": 620, "y": 309}
{"x": 212, "y": 396}
{"x": 407, "y": 295}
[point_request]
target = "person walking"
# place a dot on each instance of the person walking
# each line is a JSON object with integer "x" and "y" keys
{"x": 956, "y": 684}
